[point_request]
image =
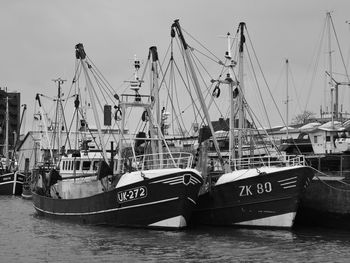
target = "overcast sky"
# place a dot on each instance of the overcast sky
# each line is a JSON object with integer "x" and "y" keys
{"x": 38, "y": 37}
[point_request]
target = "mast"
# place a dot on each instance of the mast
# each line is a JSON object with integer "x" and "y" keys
{"x": 333, "y": 106}
{"x": 241, "y": 114}
{"x": 37, "y": 97}
{"x": 7, "y": 133}
{"x": 231, "y": 85}
{"x": 22, "y": 118}
{"x": 287, "y": 98}
{"x": 120, "y": 142}
{"x": 155, "y": 97}
{"x": 135, "y": 86}
{"x": 59, "y": 112}
{"x": 176, "y": 25}
{"x": 80, "y": 54}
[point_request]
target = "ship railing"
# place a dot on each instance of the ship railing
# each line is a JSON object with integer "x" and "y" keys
{"x": 267, "y": 161}
{"x": 293, "y": 160}
{"x": 162, "y": 161}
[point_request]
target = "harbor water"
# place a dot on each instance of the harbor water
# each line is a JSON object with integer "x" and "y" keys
{"x": 25, "y": 237}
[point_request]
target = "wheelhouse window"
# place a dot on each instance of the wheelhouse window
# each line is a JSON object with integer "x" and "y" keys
{"x": 86, "y": 165}
{"x": 77, "y": 165}
{"x": 328, "y": 138}
{"x": 95, "y": 165}
{"x": 315, "y": 139}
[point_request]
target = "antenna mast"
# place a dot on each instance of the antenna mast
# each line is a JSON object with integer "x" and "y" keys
{"x": 59, "y": 112}
{"x": 241, "y": 120}
{"x": 287, "y": 98}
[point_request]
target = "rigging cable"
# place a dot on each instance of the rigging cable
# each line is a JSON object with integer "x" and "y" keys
{"x": 263, "y": 76}
{"x": 341, "y": 54}
{"x": 294, "y": 87}
{"x": 316, "y": 55}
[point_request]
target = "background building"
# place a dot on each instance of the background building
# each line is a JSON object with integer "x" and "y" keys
{"x": 14, "y": 117}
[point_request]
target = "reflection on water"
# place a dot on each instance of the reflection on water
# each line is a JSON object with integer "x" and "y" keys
{"x": 26, "y": 237}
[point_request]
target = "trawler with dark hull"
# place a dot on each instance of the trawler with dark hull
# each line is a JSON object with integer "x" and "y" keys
{"x": 147, "y": 197}
{"x": 262, "y": 190}
{"x": 11, "y": 183}
{"x": 156, "y": 190}
{"x": 11, "y": 180}
{"x": 326, "y": 202}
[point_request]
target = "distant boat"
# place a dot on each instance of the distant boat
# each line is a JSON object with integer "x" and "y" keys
{"x": 11, "y": 183}
{"x": 258, "y": 191}
{"x": 11, "y": 180}
{"x": 156, "y": 190}
{"x": 326, "y": 201}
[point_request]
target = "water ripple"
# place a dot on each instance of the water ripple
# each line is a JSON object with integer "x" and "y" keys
{"x": 26, "y": 237}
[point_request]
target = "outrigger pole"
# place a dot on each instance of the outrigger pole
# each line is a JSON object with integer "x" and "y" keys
{"x": 176, "y": 25}
{"x": 80, "y": 54}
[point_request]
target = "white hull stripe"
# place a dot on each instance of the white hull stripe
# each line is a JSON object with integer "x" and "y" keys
{"x": 14, "y": 183}
{"x": 181, "y": 182}
{"x": 291, "y": 182}
{"x": 284, "y": 220}
{"x": 104, "y": 211}
{"x": 290, "y": 186}
{"x": 168, "y": 179}
{"x": 191, "y": 200}
{"x": 288, "y": 179}
{"x": 177, "y": 180}
{"x": 195, "y": 180}
{"x": 173, "y": 183}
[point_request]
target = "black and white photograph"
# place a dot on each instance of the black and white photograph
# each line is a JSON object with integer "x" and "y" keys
{"x": 174, "y": 131}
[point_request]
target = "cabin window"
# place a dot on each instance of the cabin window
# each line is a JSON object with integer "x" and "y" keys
{"x": 328, "y": 138}
{"x": 64, "y": 165}
{"x": 86, "y": 165}
{"x": 115, "y": 165}
{"x": 315, "y": 139}
{"x": 77, "y": 165}
{"x": 95, "y": 165}
{"x": 71, "y": 165}
{"x": 26, "y": 165}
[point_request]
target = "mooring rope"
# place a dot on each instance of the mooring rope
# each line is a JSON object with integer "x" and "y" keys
{"x": 330, "y": 186}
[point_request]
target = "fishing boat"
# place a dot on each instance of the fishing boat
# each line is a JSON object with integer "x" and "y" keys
{"x": 11, "y": 180}
{"x": 255, "y": 191}
{"x": 156, "y": 189}
{"x": 326, "y": 202}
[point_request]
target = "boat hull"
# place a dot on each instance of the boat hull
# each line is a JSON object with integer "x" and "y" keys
{"x": 326, "y": 203}
{"x": 11, "y": 183}
{"x": 26, "y": 193}
{"x": 162, "y": 202}
{"x": 266, "y": 200}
